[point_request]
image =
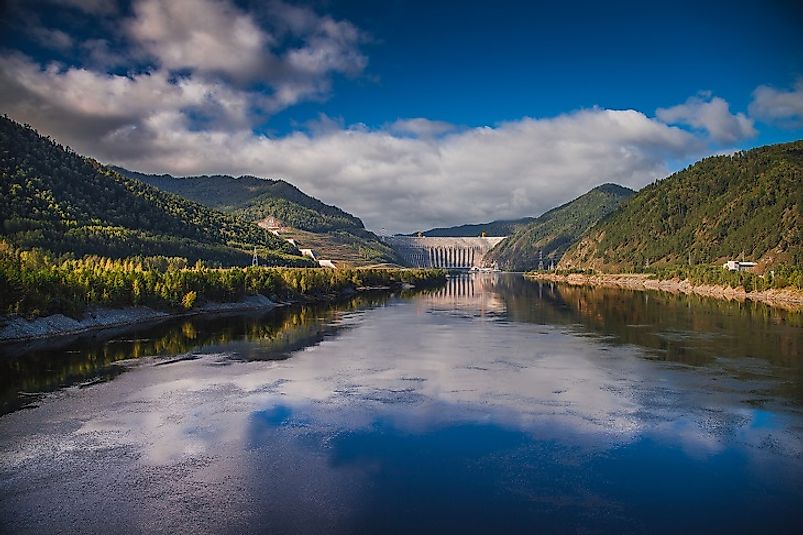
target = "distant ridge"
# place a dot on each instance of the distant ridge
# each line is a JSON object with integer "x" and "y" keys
{"x": 548, "y": 236}
{"x": 723, "y": 207}
{"x": 254, "y": 198}
{"x": 500, "y": 227}
{"x": 329, "y": 230}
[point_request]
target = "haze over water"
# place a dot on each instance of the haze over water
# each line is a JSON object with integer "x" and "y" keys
{"x": 493, "y": 404}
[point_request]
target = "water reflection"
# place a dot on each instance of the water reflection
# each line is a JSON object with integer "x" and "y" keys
{"x": 27, "y": 371}
{"x": 491, "y": 404}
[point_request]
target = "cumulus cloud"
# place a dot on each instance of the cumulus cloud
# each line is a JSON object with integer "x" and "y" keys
{"x": 420, "y": 127}
{"x": 199, "y": 34}
{"x": 712, "y": 115}
{"x": 217, "y": 38}
{"x": 394, "y": 181}
{"x": 192, "y": 106}
{"x": 783, "y": 108}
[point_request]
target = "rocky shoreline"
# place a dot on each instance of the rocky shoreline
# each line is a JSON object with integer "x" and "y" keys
{"x": 18, "y": 329}
{"x": 787, "y": 299}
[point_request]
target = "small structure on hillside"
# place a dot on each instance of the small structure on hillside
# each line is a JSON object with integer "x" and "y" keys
{"x": 270, "y": 223}
{"x": 308, "y": 253}
{"x": 327, "y": 264}
{"x": 738, "y": 265}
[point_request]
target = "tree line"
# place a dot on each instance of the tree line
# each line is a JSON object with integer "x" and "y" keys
{"x": 34, "y": 283}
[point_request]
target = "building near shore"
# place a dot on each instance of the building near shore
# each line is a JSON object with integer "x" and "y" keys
{"x": 737, "y": 265}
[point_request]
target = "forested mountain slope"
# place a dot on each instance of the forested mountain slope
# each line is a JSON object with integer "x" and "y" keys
{"x": 749, "y": 203}
{"x": 255, "y": 199}
{"x": 338, "y": 235}
{"x": 55, "y": 199}
{"x": 556, "y": 230}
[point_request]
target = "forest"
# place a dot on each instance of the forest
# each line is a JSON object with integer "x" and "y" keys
{"x": 35, "y": 283}
{"x": 54, "y": 199}
{"x": 780, "y": 277}
{"x": 744, "y": 205}
{"x": 784, "y": 276}
{"x": 254, "y": 199}
{"x": 552, "y": 233}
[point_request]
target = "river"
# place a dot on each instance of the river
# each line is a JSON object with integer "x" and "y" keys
{"x": 491, "y": 405}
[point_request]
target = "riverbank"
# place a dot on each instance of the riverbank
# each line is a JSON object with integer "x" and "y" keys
{"x": 15, "y": 329}
{"x": 788, "y": 299}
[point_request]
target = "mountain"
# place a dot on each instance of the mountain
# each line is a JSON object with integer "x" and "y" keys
{"x": 494, "y": 228}
{"x": 556, "y": 230}
{"x": 58, "y": 200}
{"x": 332, "y": 233}
{"x": 749, "y": 203}
{"x": 255, "y": 199}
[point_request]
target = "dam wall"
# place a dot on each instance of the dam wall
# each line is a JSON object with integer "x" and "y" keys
{"x": 450, "y": 253}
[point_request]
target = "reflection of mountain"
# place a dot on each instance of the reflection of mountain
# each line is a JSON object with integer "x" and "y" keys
{"x": 26, "y": 374}
{"x": 689, "y": 329}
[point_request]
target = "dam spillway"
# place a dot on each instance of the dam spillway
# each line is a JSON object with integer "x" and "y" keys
{"x": 452, "y": 252}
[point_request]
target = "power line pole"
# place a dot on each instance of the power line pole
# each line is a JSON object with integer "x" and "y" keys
{"x": 255, "y": 259}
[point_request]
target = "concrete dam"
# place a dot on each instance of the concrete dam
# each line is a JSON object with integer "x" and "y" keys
{"x": 456, "y": 253}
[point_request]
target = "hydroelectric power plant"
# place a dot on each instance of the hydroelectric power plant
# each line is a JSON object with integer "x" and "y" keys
{"x": 441, "y": 252}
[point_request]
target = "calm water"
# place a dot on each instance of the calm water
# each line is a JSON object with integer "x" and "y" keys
{"x": 491, "y": 405}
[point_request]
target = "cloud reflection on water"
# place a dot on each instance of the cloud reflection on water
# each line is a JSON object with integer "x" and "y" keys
{"x": 481, "y": 360}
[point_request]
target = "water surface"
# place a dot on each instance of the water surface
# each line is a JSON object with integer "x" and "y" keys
{"x": 493, "y": 404}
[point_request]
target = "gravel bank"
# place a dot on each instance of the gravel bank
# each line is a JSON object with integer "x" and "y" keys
{"x": 787, "y": 299}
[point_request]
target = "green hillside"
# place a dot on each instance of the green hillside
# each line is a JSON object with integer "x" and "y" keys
{"x": 492, "y": 228}
{"x": 556, "y": 230}
{"x": 749, "y": 203}
{"x": 338, "y": 235}
{"x": 57, "y": 200}
{"x": 255, "y": 199}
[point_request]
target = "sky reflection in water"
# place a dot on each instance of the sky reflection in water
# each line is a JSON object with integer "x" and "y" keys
{"x": 493, "y": 403}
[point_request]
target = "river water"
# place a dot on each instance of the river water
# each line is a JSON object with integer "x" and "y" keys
{"x": 491, "y": 405}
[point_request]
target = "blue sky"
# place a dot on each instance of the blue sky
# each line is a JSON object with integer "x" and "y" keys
{"x": 408, "y": 114}
{"x": 476, "y": 65}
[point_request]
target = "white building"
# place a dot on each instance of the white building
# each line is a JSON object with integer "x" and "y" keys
{"x": 737, "y": 265}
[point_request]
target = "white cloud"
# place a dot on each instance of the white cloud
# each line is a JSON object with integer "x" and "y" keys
{"x": 117, "y": 98}
{"x": 421, "y": 127}
{"x": 392, "y": 181}
{"x": 199, "y": 34}
{"x": 295, "y": 50}
{"x": 784, "y": 108}
{"x": 712, "y": 115}
{"x": 193, "y": 111}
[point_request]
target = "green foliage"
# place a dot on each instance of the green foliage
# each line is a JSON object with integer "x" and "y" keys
{"x": 52, "y": 198}
{"x": 778, "y": 278}
{"x": 254, "y": 199}
{"x": 188, "y": 301}
{"x": 34, "y": 283}
{"x": 556, "y": 230}
{"x": 720, "y": 208}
